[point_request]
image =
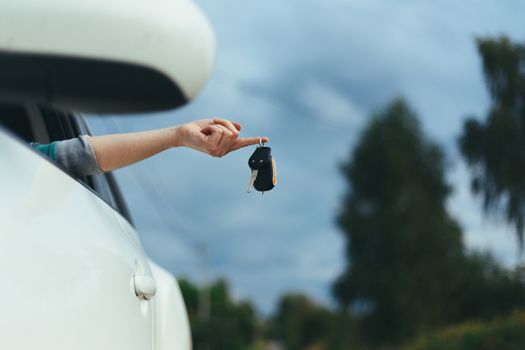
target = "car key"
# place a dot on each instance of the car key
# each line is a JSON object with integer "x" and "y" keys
{"x": 253, "y": 176}
{"x": 263, "y": 177}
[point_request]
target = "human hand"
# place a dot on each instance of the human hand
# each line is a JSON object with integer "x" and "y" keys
{"x": 216, "y": 137}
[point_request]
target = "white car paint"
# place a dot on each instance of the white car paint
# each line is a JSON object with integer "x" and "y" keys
{"x": 171, "y": 36}
{"x": 68, "y": 262}
{"x": 172, "y": 327}
{"x": 171, "y": 321}
{"x": 74, "y": 274}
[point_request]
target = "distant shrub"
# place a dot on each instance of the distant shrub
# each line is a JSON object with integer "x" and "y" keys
{"x": 501, "y": 334}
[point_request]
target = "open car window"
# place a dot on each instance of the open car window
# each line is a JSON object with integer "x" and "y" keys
{"x": 43, "y": 125}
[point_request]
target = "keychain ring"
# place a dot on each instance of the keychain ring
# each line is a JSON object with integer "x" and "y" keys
{"x": 261, "y": 143}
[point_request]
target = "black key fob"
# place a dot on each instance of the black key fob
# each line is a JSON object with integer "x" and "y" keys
{"x": 264, "y": 174}
{"x": 260, "y": 158}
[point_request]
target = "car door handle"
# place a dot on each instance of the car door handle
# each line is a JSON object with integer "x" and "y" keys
{"x": 145, "y": 286}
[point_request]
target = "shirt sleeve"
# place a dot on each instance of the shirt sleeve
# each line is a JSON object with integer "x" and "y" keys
{"x": 75, "y": 155}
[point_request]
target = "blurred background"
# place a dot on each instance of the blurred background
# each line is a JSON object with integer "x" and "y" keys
{"x": 398, "y": 128}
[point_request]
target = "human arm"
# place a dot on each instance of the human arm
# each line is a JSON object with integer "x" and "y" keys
{"x": 216, "y": 137}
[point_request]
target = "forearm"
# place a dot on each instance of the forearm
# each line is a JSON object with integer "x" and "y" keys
{"x": 118, "y": 150}
{"x": 85, "y": 155}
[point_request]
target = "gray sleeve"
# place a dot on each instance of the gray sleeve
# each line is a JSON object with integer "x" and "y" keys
{"x": 77, "y": 156}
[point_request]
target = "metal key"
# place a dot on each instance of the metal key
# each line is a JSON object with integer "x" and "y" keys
{"x": 253, "y": 176}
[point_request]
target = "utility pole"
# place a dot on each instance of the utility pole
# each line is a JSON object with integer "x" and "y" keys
{"x": 204, "y": 291}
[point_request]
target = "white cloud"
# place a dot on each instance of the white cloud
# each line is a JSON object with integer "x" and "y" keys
{"x": 326, "y": 103}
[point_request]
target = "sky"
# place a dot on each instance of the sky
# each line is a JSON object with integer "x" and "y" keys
{"x": 309, "y": 74}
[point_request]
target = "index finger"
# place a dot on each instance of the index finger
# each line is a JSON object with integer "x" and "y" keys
{"x": 247, "y": 141}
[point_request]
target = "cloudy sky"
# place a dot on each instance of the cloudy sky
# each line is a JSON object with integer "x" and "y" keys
{"x": 309, "y": 74}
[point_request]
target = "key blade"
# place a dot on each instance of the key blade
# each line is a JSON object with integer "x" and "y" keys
{"x": 253, "y": 176}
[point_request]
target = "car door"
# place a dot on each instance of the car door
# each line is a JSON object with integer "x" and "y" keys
{"x": 72, "y": 276}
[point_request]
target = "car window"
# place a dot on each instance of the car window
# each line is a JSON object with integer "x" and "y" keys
{"x": 44, "y": 125}
{"x": 105, "y": 184}
{"x": 117, "y": 197}
{"x": 106, "y": 187}
{"x": 16, "y": 119}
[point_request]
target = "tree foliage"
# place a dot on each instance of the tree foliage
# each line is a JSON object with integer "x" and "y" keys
{"x": 230, "y": 325}
{"x": 503, "y": 333}
{"x": 299, "y": 323}
{"x": 407, "y": 271}
{"x": 402, "y": 244}
{"x": 495, "y": 148}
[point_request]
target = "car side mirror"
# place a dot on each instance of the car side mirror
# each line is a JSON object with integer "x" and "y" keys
{"x": 119, "y": 56}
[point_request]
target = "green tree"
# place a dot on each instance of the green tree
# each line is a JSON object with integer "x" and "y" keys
{"x": 403, "y": 248}
{"x": 486, "y": 290}
{"x": 230, "y": 325}
{"x": 299, "y": 323}
{"x": 495, "y": 148}
{"x": 407, "y": 270}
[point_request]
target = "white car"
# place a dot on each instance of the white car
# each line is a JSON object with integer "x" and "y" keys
{"x": 73, "y": 272}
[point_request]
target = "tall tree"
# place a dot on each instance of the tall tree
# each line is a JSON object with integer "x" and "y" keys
{"x": 403, "y": 249}
{"x": 495, "y": 148}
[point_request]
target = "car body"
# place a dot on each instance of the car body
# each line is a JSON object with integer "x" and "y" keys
{"x": 74, "y": 273}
